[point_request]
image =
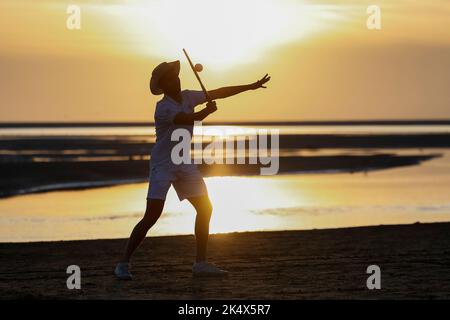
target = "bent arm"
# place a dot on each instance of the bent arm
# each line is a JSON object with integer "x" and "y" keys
{"x": 182, "y": 118}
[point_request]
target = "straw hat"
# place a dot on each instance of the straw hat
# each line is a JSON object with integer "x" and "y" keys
{"x": 159, "y": 72}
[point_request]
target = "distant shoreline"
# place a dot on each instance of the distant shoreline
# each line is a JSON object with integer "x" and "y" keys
{"x": 37, "y": 164}
{"x": 34, "y": 177}
{"x": 402, "y": 122}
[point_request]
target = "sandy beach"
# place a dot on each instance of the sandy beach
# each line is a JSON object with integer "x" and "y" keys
{"x": 315, "y": 264}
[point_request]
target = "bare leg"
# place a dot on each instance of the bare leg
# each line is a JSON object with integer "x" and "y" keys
{"x": 152, "y": 214}
{"x": 203, "y": 207}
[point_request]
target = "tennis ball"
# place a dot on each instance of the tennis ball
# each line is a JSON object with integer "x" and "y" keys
{"x": 198, "y": 67}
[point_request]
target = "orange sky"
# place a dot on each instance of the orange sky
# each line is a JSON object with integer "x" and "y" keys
{"x": 325, "y": 64}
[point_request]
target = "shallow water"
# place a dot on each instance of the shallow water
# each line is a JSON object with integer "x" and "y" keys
{"x": 224, "y": 129}
{"x": 402, "y": 195}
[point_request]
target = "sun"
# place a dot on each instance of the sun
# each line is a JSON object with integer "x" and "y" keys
{"x": 216, "y": 32}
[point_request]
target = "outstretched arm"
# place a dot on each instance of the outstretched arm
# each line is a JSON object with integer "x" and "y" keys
{"x": 226, "y": 92}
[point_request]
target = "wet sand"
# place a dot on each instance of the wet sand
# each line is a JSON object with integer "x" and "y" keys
{"x": 24, "y": 178}
{"x": 315, "y": 264}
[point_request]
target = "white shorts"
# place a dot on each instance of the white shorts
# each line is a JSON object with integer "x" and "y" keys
{"x": 186, "y": 179}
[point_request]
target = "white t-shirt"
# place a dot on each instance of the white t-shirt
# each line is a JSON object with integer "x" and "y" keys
{"x": 166, "y": 110}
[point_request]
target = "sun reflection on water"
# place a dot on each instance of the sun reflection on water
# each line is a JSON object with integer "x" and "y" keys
{"x": 283, "y": 202}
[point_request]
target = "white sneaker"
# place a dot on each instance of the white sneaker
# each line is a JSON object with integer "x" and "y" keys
{"x": 207, "y": 269}
{"x": 122, "y": 271}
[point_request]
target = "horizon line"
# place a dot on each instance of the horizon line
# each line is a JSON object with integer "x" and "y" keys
{"x": 55, "y": 124}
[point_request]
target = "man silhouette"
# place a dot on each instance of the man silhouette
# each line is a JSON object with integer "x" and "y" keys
{"x": 176, "y": 110}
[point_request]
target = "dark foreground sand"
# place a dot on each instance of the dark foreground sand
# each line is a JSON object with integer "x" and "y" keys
{"x": 317, "y": 264}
